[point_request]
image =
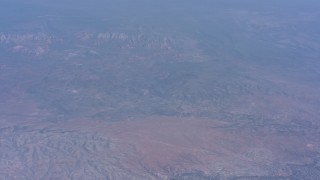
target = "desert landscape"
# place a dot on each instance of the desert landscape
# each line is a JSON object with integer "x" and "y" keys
{"x": 159, "y": 90}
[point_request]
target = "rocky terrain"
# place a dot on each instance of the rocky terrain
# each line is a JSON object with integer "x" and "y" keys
{"x": 219, "y": 90}
{"x": 35, "y": 44}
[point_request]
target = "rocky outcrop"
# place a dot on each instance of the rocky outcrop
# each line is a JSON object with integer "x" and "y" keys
{"x": 28, "y": 43}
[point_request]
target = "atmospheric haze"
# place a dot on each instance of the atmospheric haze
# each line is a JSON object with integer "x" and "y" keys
{"x": 170, "y": 89}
